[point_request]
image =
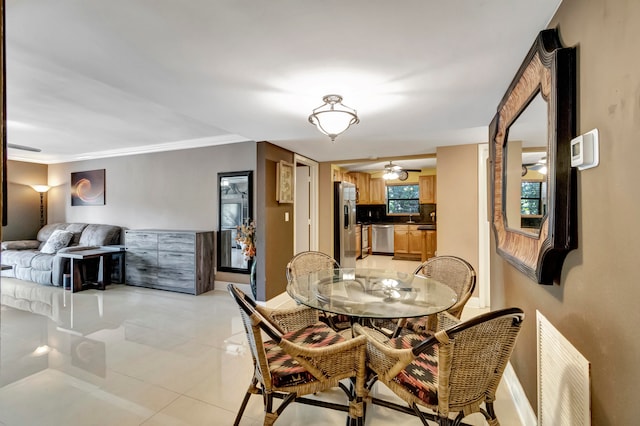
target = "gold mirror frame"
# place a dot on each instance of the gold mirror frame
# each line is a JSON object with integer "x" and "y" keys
{"x": 548, "y": 69}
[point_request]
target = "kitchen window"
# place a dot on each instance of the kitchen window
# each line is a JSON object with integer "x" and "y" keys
{"x": 533, "y": 204}
{"x": 403, "y": 199}
{"x": 532, "y": 198}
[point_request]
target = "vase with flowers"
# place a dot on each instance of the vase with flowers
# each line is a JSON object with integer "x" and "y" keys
{"x": 246, "y": 237}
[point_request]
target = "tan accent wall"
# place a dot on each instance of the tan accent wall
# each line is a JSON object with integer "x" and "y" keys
{"x": 457, "y": 211}
{"x": 325, "y": 203}
{"x": 23, "y": 202}
{"x": 595, "y": 305}
{"x": 513, "y": 184}
{"x": 275, "y": 235}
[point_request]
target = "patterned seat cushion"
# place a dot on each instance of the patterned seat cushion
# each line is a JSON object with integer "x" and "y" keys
{"x": 421, "y": 376}
{"x": 285, "y": 371}
{"x": 418, "y": 325}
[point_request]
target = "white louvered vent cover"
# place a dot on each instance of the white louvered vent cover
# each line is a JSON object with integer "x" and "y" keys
{"x": 563, "y": 379}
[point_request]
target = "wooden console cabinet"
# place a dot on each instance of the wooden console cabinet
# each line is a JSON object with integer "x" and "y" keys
{"x": 179, "y": 261}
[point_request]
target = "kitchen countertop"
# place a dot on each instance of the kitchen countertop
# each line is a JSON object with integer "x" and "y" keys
{"x": 421, "y": 225}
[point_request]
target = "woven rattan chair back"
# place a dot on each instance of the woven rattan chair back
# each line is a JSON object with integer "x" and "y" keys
{"x": 454, "y": 371}
{"x": 307, "y": 262}
{"x": 455, "y": 272}
{"x": 299, "y": 361}
{"x": 254, "y": 323}
{"x": 473, "y": 362}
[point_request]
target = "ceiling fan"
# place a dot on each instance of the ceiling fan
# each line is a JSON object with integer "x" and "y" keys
{"x": 393, "y": 171}
{"x": 23, "y": 147}
{"x": 540, "y": 166}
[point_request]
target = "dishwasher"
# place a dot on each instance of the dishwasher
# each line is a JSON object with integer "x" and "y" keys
{"x": 382, "y": 236}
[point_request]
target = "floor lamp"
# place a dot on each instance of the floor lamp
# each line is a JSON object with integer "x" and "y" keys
{"x": 42, "y": 189}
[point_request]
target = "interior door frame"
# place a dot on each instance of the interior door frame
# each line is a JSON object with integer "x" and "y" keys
{"x": 313, "y": 202}
{"x": 484, "y": 242}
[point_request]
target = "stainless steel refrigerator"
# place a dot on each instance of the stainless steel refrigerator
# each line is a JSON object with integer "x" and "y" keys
{"x": 344, "y": 223}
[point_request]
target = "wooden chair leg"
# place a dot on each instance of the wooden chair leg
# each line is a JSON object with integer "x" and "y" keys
{"x": 245, "y": 400}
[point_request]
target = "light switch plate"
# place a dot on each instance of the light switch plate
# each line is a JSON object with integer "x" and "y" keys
{"x": 585, "y": 150}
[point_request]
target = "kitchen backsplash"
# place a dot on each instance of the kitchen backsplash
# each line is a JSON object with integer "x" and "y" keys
{"x": 377, "y": 213}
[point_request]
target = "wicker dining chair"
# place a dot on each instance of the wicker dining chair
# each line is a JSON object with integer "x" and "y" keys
{"x": 453, "y": 372}
{"x": 307, "y": 262}
{"x": 299, "y": 361}
{"x": 456, "y": 273}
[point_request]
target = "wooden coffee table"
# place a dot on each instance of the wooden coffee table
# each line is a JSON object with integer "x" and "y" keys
{"x": 77, "y": 266}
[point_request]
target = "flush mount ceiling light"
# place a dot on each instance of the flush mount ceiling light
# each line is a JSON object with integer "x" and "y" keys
{"x": 391, "y": 171}
{"x": 333, "y": 117}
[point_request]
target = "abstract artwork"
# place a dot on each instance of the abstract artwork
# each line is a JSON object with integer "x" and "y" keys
{"x": 87, "y": 188}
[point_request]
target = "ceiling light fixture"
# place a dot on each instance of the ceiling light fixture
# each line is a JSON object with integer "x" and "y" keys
{"x": 333, "y": 117}
{"x": 391, "y": 171}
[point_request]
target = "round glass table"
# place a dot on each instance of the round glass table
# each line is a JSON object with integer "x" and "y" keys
{"x": 371, "y": 293}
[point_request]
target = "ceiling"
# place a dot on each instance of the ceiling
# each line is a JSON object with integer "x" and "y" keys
{"x": 90, "y": 79}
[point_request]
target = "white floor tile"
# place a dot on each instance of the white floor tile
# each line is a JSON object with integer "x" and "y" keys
{"x": 134, "y": 356}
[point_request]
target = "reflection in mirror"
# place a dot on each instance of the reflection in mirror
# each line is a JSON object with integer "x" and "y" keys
{"x": 235, "y": 201}
{"x": 525, "y": 177}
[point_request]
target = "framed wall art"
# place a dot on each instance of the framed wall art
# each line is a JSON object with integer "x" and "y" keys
{"x": 88, "y": 188}
{"x": 284, "y": 182}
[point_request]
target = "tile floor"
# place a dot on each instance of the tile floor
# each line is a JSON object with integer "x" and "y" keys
{"x": 134, "y": 356}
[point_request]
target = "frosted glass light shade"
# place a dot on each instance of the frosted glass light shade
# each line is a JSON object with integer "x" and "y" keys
{"x": 41, "y": 188}
{"x": 333, "y": 118}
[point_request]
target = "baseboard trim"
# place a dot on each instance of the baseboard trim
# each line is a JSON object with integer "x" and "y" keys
{"x": 524, "y": 409}
{"x": 222, "y": 286}
{"x": 280, "y": 301}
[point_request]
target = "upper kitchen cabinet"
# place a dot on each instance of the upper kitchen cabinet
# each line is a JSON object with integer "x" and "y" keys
{"x": 362, "y": 181}
{"x": 377, "y": 194}
{"x": 341, "y": 175}
{"x": 428, "y": 190}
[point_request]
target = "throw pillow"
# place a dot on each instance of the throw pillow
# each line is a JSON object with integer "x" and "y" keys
{"x": 57, "y": 240}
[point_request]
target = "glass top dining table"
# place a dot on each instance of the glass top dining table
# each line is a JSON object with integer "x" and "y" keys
{"x": 371, "y": 293}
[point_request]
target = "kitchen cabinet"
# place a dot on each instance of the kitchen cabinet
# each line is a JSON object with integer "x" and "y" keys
{"x": 362, "y": 181}
{"x": 400, "y": 239}
{"x": 179, "y": 261}
{"x": 341, "y": 175}
{"x": 407, "y": 242}
{"x": 358, "y": 241}
{"x": 377, "y": 191}
{"x": 429, "y": 245}
{"x": 428, "y": 189}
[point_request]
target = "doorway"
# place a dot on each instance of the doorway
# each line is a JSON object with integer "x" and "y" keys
{"x": 305, "y": 212}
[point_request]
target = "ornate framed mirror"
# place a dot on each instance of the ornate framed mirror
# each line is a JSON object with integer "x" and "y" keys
{"x": 547, "y": 74}
{"x": 235, "y": 207}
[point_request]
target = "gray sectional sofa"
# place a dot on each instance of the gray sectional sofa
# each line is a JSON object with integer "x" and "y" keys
{"x": 27, "y": 261}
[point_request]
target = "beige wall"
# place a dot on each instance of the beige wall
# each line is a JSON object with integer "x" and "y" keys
{"x": 325, "y": 203}
{"x": 595, "y": 305}
{"x": 23, "y": 202}
{"x": 167, "y": 190}
{"x": 457, "y": 214}
{"x": 170, "y": 190}
{"x": 513, "y": 184}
